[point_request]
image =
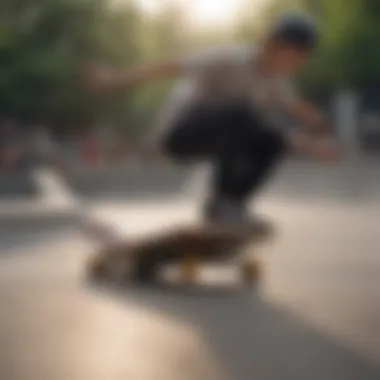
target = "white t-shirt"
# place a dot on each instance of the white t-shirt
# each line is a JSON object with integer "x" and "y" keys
{"x": 227, "y": 73}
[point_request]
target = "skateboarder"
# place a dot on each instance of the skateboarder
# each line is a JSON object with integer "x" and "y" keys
{"x": 223, "y": 111}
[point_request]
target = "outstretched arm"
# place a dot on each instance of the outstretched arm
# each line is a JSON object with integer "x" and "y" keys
{"x": 105, "y": 79}
{"x": 317, "y": 138}
{"x": 310, "y": 116}
{"x": 101, "y": 79}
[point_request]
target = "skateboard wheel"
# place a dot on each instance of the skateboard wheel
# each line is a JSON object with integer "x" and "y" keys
{"x": 97, "y": 269}
{"x": 189, "y": 269}
{"x": 105, "y": 267}
{"x": 250, "y": 272}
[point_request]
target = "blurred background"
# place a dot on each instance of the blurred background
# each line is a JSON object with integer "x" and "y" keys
{"x": 317, "y": 314}
{"x": 43, "y": 45}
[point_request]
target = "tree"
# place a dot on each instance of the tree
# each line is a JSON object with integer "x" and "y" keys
{"x": 349, "y": 31}
{"x": 44, "y": 44}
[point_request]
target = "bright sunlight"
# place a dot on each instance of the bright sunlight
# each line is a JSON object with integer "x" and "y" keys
{"x": 203, "y": 12}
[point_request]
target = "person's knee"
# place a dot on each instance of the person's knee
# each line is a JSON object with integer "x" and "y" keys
{"x": 168, "y": 143}
{"x": 275, "y": 143}
{"x": 179, "y": 143}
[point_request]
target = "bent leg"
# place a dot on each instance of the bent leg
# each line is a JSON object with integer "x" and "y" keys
{"x": 194, "y": 135}
{"x": 242, "y": 172}
{"x": 242, "y": 149}
{"x": 243, "y": 167}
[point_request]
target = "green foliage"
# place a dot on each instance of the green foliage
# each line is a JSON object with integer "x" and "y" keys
{"x": 45, "y": 43}
{"x": 349, "y": 55}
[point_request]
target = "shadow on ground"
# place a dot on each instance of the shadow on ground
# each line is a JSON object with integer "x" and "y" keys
{"x": 19, "y": 232}
{"x": 253, "y": 338}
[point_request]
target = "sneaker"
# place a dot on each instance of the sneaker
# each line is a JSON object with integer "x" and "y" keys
{"x": 234, "y": 214}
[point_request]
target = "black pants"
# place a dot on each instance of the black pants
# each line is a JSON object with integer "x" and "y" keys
{"x": 235, "y": 139}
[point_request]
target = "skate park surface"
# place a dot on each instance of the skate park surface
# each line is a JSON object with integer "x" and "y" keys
{"x": 316, "y": 314}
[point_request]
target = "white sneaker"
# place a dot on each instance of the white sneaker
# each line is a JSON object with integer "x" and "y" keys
{"x": 228, "y": 213}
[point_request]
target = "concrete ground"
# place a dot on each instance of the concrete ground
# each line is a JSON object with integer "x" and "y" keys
{"x": 316, "y": 314}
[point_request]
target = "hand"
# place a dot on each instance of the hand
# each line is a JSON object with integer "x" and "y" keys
{"x": 326, "y": 149}
{"x": 99, "y": 78}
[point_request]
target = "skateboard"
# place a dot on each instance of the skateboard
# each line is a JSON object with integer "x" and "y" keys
{"x": 188, "y": 248}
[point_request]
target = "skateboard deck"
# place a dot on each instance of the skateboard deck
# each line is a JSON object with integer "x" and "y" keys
{"x": 188, "y": 247}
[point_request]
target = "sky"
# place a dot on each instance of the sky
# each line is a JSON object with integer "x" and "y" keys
{"x": 204, "y": 12}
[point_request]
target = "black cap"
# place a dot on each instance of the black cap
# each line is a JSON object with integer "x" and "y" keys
{"x": 297, "y": 29}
